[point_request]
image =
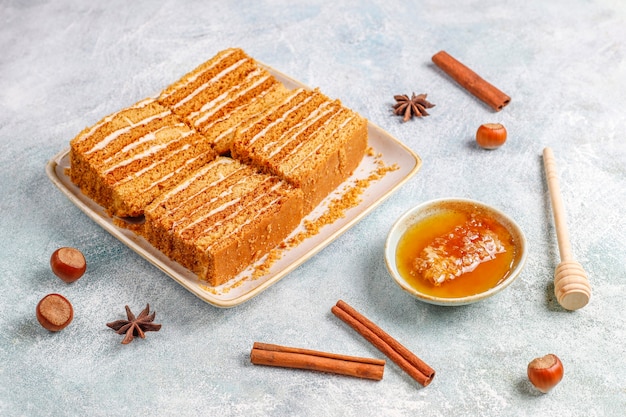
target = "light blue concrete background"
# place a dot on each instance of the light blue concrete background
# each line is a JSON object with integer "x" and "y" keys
{"x": 65, "y": 64}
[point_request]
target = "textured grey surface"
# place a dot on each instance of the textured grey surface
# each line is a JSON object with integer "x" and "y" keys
{"x": 65, "y": 64}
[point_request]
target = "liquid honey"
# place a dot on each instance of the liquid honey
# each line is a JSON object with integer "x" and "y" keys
{"x": 484, "y": 277}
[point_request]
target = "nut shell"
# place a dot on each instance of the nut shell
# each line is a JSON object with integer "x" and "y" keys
{"x": 54, "y": 312}
{"x": 545, "y": 372}
{"x": 68, "y": 264}
{"x": 491, "y": 135}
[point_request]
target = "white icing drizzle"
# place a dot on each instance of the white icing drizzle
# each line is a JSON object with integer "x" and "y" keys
{"x": 114, "y": 135}
{"x": 296, "y": 149}
{"x": 215, "y": 78}
{"x": 148, "y": 152}
{"x": 223, "y": 194}
{"x": 138, "y": 105}
{"x": 274, "y": 108}
{"x": 154, "y": 164}
{"x": 235, "y": 213}
{"x": 305, "y": 157}
{"x": 216, "y": 210}
{"x": 316, "y": 115}
{"x": 248, "y": 219}
{"x": 208, "y": 105}
{"x": 191, "y": 78}
{"x": 199, "y": 173}
{"x": 222, "y": 96}
{"x": 231, "y": 129}
{"x": 171, "y": 174}
{"x": 210, "y": 108}
{"x": 280, "y": 119}
{"x": 152, "y": 136}
{"x": 144, "y": 139}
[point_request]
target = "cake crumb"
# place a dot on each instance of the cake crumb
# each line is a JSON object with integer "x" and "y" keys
{"x": 337, "y": 208}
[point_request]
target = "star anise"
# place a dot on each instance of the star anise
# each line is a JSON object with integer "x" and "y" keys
{"x": 409, "y": 107}
{"x": 135, "y": 326}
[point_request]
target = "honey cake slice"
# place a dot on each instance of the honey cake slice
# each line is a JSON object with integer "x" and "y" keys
{"x": 128, "y": 158}
{"x": 220, "y": 94}
{"x": 222, "y": 218}
{"x": 309, "y": 140}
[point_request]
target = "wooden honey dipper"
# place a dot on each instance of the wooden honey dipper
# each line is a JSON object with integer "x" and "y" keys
{"x": 571, "y": 285}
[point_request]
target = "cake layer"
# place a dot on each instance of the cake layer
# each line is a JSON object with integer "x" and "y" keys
{"x": 222, "y": 218}
{"x": 307, "y": 139}
{"x": 216, "y": 97}
{"x": 128, "y": 158}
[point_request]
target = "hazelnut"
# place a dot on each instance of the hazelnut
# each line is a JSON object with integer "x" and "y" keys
{"x": 68, "y": 264}
{"x": 54, "y": 312}
{"x": 491, "y": 135}
{"x": 545, "y": 372}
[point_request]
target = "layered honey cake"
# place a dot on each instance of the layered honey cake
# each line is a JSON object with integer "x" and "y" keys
{"x": 219, "y": 95}
{"x": 128, "y": 158}
{"x": 309, "y": 140}
{"x": 222, "y": 218}
{"x": 223, "y": 164}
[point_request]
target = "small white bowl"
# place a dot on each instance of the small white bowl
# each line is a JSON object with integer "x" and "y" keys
{"x": 433, "y": 207}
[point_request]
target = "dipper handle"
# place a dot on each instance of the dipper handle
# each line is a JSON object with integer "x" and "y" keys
{"x": 571, "y": 285}
{"x": 562, "y": 235}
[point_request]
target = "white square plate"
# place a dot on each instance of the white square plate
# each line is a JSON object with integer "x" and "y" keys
{"x": 245, "y": 286}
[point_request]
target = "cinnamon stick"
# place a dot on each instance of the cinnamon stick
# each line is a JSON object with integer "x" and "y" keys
{"x": 471, "y": 81}
{"x": 403, "y": 357}
{"x": 290, "y": 357}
